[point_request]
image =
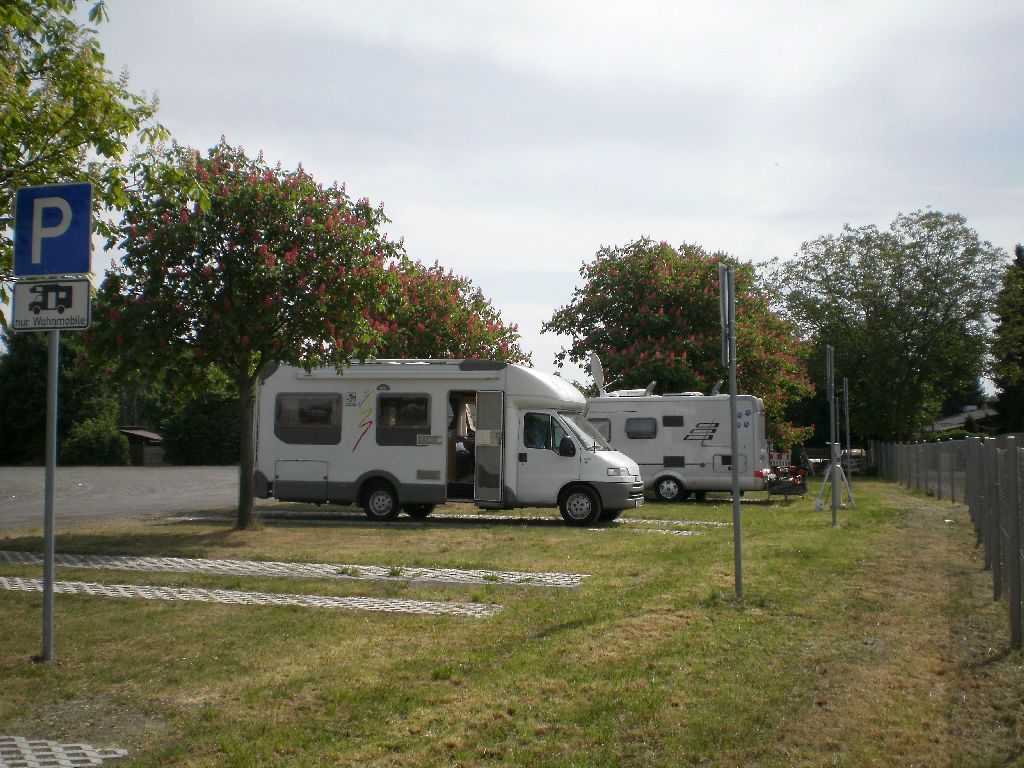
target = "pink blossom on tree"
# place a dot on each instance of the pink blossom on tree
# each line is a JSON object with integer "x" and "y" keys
{"x": 651, "y": 312}
{"x": 206, "y": 288}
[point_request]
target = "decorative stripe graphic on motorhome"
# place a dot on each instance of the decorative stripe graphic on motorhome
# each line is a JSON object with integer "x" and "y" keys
{"x": 705, "y": 430}
{"x": 365, "y": 416}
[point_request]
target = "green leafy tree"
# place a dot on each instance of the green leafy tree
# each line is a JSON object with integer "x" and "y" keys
{"x": 230, "y": 262}
{"x": 204, "y": 431}
{"x": 63, "y": 117}
{"x": 1008, "y": 346}
{"x": 85, "y": 394}
{"x": 651, "y": 312}
{"x": 435, "y": 313}
{"x": 905, "y": 311}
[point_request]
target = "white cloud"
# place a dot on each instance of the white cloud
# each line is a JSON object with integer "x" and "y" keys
{"x": 510, "y": 140}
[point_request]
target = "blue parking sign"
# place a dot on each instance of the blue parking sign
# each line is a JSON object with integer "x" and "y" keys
{"x": 53, "y": 230}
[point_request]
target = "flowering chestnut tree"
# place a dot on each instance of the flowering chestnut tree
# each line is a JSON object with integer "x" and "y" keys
{"x": 436, "y": 313}
{"x": 233, "y": 263}
{"x": 651, "y": 312}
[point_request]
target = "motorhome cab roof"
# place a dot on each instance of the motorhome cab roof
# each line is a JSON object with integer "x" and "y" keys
{"x": 406, "y": 435}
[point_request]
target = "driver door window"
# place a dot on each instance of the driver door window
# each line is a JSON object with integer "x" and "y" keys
{"x": 537, "y": 430}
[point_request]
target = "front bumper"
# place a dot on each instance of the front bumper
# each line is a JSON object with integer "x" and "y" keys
{"x": 616, "y": 496}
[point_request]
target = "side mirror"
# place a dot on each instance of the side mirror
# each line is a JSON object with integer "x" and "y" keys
{"x": 567, "y": 447}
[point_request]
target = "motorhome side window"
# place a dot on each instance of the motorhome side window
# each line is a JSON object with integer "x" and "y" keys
{"x": 641, "y": 429}
{"x": 604, "y": 426}
{"x": 308, "y": 419}
{"x": 400, "y": 418}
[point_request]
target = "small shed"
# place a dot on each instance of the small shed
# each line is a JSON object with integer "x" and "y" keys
{"x": 145, "y": 448}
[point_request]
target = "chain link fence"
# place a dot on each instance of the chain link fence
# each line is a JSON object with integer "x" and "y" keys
{"x": 987, "y": 475}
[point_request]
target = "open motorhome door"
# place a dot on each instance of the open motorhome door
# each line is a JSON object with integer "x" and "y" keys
{"x": 490, "y": 448}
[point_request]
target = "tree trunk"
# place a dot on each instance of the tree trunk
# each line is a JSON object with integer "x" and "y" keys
{"x": 247, "y": 458}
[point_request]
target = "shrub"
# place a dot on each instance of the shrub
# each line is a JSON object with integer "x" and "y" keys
{"x": 96, "y": 442}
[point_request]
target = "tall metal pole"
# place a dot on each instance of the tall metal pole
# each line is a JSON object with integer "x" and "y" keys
{"x": 833, "y": 458}
{"x": 52, "y": 379}
{"x": 727, "y": 286}
{"x": 846, "y": 413}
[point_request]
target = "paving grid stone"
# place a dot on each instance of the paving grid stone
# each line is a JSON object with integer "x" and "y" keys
{"x": 623, "y": 523}
{"x": 240, "y": 597}
{"x": 300, "y": 570}
{"x": 19, "y": 752}
{"x": 680, "y": 523}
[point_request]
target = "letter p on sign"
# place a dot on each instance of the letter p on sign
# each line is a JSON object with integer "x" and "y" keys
{"x": 40, "y": 230}
{"x": 52, "y": 230}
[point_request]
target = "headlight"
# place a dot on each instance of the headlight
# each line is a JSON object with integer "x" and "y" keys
{"x": 619, "y": 472}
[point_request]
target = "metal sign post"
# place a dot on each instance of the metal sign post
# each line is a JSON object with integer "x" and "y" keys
{"x": 846, "y": 416}
{"x": 52, "y": 238}
{"x": 849, "y": 450}
{"x": 727, "y": 312}
{"x": 52, "y": 380}
{"x": 833, "y": 457}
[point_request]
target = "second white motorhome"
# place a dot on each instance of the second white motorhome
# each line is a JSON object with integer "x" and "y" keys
{"x": 407, "y": 435}
{"x": 683, "y": 442}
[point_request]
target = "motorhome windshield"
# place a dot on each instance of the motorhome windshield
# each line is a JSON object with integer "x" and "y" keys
{"x": 585, "y": 431}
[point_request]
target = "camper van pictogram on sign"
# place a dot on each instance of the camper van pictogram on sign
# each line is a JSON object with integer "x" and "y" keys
{"x": 49, "y": 297}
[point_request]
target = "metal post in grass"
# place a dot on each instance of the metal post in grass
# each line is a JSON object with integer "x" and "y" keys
{"x": 973, "y": 484}
{"x": 968, "y": 484}
{"x": 996, "y": 520}
{"x": 833, "y": 459}
{"x": 914, "y": 472}
{"x": 1011, "y": 498}
{"x": 990, "y": 505}
{"x": 846, "y": 416}
{"x": 951, "y": 467}
{"x": 727, "y": 314}
{"x": 922, "y": 476}
{"x": 53, "y": 381}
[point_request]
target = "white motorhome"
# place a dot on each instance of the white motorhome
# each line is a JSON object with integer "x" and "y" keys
{"x": 682, "y": 442}
{"x": 407, "y": 435}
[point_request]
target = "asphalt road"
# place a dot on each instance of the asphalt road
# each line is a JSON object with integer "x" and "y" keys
{"x": 85, "y": 494}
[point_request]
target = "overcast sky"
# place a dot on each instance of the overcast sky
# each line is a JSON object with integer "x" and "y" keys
{"x": 511, "y": 140}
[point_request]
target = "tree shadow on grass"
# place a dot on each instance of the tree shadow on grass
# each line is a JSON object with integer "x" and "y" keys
{"x": 167, "y": 543}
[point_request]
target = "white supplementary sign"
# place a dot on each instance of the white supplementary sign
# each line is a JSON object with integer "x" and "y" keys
{"x": 51, "y": 305}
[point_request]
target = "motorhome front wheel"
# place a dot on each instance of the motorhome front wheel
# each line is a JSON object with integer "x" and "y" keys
{"x": 580, "y": 506}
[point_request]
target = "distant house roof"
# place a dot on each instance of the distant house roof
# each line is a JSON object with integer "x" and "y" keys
{"x": 958, "y": 420}
{"x": 136, "y": 435}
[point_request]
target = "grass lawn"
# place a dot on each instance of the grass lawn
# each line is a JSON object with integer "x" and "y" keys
{"x": 873, "y": 643}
